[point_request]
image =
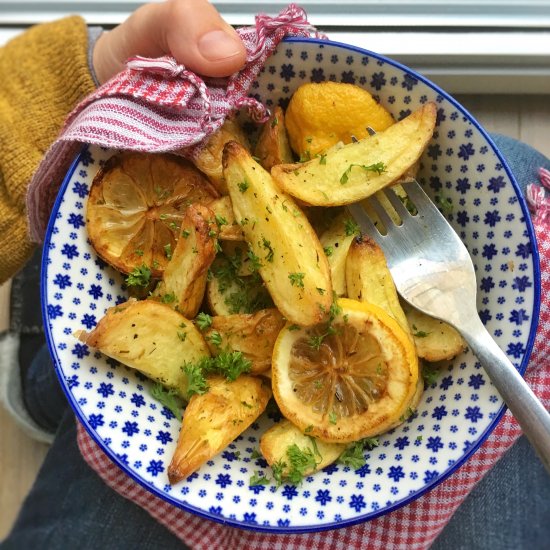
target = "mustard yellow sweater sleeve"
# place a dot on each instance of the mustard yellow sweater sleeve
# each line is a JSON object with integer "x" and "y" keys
{"x": 44, "y": 73}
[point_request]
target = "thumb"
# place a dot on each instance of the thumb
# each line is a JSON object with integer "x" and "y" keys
{"x": 192, "y": 31}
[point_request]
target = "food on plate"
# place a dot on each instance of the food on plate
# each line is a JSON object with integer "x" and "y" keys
{"x": 184, "y": 279}
{"x": 368, "y": 279}
{"x": 319, "y": 115}
{"x": 136, "y": 205}
{"x": 357, "y": 170}
{"x": 151, "y": 337}
{"x": 228, "y": 228}
{"x": 214, "y": 419}
{"x": 273, "y": 146}
{"x": 347, "y": 379}
{"x": 208, "y": 156}
{"x": 234, "y": 284}
{"x": 434, "y": 340}
{"x": 290, "y": 257}
{"x": 336, "y": 241}
{"x": 252, "y": 334}
{"x": 293, "y": 454}
{"x": 246, "y": 291}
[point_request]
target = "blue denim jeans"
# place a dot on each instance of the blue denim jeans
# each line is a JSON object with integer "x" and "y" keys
{"x": 70, "y": 507}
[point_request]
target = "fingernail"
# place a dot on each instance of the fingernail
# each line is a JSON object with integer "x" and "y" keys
{"x": 217, "y": 45}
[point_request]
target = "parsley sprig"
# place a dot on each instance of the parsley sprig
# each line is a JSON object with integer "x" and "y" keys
{"x": 168, "y": 398}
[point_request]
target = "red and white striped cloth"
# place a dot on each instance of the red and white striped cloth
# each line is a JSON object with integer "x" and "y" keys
{"x": 169, "y": 108}
{"x": 412, "y": 527}
{"x": 158, "y": 105}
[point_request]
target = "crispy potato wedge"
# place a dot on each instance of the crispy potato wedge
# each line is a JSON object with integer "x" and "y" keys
{"x": 291, "y": 259}
{"x": 252, "y": 334}
{"x": 208, "y": 157}
{"x": 368, "y": 279}
{"x": 434, "y": 339}
{"x": 275, "y": 442}
{"x": 150, "y": 337}
{"x": 336, "y": 242}
{"x": 184, "y": 279}
{"x": 273, "y": 146}
{"x": 214, "y": 419}
{"x": 229, "y": 229}
{"x": 347, "y": 174}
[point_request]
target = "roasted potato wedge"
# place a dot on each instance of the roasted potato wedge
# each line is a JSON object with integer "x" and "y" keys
{"x": 352, "y": 173}
{"x": 368, "y": 279}
{"x": 229, "y": 229}
{"x": 214, "y": 419}
{"x": 150, "y": 337}
{"x": 336, "y": 241}
{"x": 184, "y": 279}
{"x": 434, "y": 339}
{"x": 276, "y": 441}
{"x": 252, "y": 334}
{"x": 273, "y": 146}
{"x": 208, "y": 156}
{"x": 290, "y": 257}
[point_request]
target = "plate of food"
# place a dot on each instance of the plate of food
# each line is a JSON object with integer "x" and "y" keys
{"x": 230, "y": 340}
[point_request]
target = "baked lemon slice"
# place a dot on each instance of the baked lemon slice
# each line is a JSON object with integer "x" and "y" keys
{"x": 346, "y": 380}
{"x": 136, "y": 206}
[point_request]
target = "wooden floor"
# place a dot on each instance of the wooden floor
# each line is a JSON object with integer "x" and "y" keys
{"x": 524, "y": 117}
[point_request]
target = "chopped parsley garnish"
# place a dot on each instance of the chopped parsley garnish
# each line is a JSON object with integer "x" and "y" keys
{"x": 168, "y": 298}
{"x": 444, "y": 204}
{"x": 332, "y": 418}
{"x": 140, "y": 276}
{"x": 168, "y": 251}
{"x": 420, "y": 333}
{"x": 203, "y": 320}
{"x": 354, "y": 456}
{"x": 258, "y": 478}
{"x": 168, "y": 398}
{"x": 351, "y": 227}
{"x": 196, "y": 382}
{"x": 270, "y": 252}
{"x": 243, "y": 186}
{"x": 297, "y": 279}
{"x": 430, "y": 374}
{"x": 377, "y": 167}
{"x": 216, "y": 338}
{"x": 329, "y": 251}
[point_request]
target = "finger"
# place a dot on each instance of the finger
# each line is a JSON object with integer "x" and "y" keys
{"x": 190, "y": 30}
{"x": 202, "y": 41}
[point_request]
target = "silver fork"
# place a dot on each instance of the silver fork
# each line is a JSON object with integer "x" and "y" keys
{"x": 433, "y": 271}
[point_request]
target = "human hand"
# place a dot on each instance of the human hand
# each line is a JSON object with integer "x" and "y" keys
{"x": 192, "y": 31}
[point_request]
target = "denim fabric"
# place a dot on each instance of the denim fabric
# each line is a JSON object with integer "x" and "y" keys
{"x": 70, "y": 507}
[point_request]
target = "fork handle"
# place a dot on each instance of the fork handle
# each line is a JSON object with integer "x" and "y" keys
{"x": 530, "y": 413}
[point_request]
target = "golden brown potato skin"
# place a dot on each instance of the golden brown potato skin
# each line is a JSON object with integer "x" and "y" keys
{"x": 184, "y": 279}
{"x": 273, "y": 146}
{"x": 252, "y": 334}
{"x": 214, "y": 419}
{"x": 150, "y": 337}
{"x": 320, "y": 181}
{"x": 295, "y": 270}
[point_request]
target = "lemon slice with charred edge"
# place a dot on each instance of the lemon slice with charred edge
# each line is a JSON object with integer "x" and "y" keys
{"x": 136, "y": 206}
{"x": 347, "y": 380}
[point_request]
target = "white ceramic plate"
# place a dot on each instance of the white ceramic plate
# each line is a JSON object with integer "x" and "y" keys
{"x": 455, "y": 415}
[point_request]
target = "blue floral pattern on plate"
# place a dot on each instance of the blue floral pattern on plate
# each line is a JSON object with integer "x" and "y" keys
{"x": 456, "y": 413}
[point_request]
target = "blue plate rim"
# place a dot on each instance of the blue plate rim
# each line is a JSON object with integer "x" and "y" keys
{"x": 368, "y": 516}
